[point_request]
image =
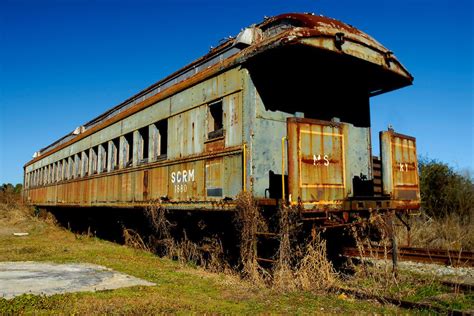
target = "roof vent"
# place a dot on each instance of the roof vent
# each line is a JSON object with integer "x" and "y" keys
{"x": 246, "y": 37}
{"x": 79, "y": 130}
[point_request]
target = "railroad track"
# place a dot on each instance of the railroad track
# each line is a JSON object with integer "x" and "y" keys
{"x": 402, "y": 303}
{"x": 447, "y": 257}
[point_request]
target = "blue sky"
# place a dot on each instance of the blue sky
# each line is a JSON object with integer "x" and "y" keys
{"x": 63, "y": 62}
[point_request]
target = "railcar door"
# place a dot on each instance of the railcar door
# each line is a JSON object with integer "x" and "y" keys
{"x": 315, "y": 161}
{"x": 399, "y": 166}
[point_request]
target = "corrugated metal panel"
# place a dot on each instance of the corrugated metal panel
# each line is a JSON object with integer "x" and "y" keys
{"x": 316, "y": 160}
{"x": 158, "y": 183}
{"x": 214, "y": 178}
{"x": 399, "y": 166}
{"x": 233, "y": 119}
{"x": 232, "y": 182}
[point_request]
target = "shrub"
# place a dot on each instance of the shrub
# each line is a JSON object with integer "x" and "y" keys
{"x": 444, "y": 191}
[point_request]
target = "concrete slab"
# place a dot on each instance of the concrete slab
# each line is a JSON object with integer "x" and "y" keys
{"x": 17, "y": 278}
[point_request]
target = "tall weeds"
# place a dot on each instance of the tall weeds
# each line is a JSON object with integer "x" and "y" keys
{"x": 249, "y": 221}
{"x": 300, "y": 266}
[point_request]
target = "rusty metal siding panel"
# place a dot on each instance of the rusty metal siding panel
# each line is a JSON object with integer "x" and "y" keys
{"x": 138, "y": 185}
{"x": 85, "y": 192}
{"x": 265, "y": 150}
{"x": 150, "y": 115}
{"x": 127, "y": 188}
{"x": 158, "y": 180}
{"x": 318, "y": 163}
{"x": 233, "y": 119}
{"x": 186, "y": 181}
{"x": 113, "y": 188}
{"x": 399, "y": 166}
{"x": 232, "y": 182}
{"x": 207, "y": 91}
{"x": 214, "y": 178}
{"x": 358, "y": 154}
{"x": 93, "y": 190}
{"x": 187, "y": 133}
{"x": 102, "y": 189}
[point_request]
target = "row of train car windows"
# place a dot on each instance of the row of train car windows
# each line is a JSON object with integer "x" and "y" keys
{"x": 147, "y": 144}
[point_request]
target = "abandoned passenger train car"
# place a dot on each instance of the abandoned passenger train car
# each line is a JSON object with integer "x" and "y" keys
{"x": 281, "y": 111}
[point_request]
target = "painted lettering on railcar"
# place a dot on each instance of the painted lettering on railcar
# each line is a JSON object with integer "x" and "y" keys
{"x": 181, "y": 178}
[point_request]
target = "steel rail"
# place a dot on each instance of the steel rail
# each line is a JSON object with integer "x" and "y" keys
{"x": 447, "y": 257}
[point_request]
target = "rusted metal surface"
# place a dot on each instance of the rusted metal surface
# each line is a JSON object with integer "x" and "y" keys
{"x": 118, "y": 159}
{"x": 209, "y": 177}
{"x": 400, "y": 166}
{"x": 316, "y": 168}
{"x": 306, "y": 29}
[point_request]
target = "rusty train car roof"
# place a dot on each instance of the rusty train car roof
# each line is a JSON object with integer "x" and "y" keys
{"x": 284, "y": 29}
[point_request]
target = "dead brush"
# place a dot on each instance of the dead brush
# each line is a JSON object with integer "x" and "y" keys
{"x": 249, "y": 221}
{"x": 315, "y": 271}
{"x": 306, "y": 268}
{"x": 283, "y": 272}
{"x": 156, "y": 215}
{"x": 185, "y": 251}
{"x": 214, "y": 257}
{"x": 376, "y": 233}
{"x": 133, "y": 239}
{"x": 451, "y": 232}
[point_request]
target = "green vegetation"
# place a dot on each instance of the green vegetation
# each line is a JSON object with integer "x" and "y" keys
{"x": 447, "y": 199}
{"x": 179, "y": 288}
{"x": 445, "y": 192}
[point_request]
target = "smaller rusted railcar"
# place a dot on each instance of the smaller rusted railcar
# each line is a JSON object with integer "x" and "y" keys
{"x": 282, "y": 111}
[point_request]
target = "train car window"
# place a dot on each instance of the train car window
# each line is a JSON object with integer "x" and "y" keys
{"x": 102, "y": 158}
{"x": 93, "y": 152}
{"x": 143, "y": 141}
{"x": 162, "y": 127}
{"x": 215, "y": 127}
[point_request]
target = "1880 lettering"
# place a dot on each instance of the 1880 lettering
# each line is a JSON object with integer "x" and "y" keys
{"x": 181, "y": 178}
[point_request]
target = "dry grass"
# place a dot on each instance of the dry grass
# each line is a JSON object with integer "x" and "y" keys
{"x": 208, "y": 253}
{"x": 314, "y": 271}
{"x": 375, "y": 233}
{"x": 451, "y": 232}
{"x": 249, "y": 221}
{"x": 179, "y": 288}
{"x": 134, "y": 240}
{"x": 297, "y": 268}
